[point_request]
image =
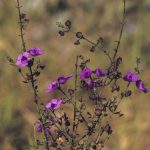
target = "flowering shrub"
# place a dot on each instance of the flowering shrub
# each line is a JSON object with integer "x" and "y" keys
{"x": 86, "y": 127}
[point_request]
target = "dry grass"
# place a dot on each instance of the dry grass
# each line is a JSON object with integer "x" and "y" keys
{"x": 97, "y": 18}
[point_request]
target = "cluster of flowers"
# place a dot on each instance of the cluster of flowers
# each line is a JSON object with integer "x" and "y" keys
{"x": 25, "y": 58}
{"x": 53, "y": 104}
{"x": 133, "y": 77}
{"x": 87, "y": 75}
{"x": 130, "y": 77}
{"x": 56, "y": 85}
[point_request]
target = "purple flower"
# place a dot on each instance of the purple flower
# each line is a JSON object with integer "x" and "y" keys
{"x": 35, "y": 51}
{"x": 23, "y": 59}
{"x": 85, "y": 73}
{"x": 130, "y": 77}
{"x": 140, "y": 85}
{"x": 47, "y": 130}
{"x": 54, "y": 104}
{"x": 38, "y": 127}
{"x": 90, "y": 84}
{"x": 52, "y": 86}
{"x": 99, "y": 72}
{"x": 63, "y": 80}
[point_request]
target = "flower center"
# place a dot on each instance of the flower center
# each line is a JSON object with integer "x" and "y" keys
{"x": 35, "y": 51}
{"x": 24, "y": 58}
{"x": 53, "y": 85}
{"x": 53, "y": 105}
{"x": 86, "y": 74}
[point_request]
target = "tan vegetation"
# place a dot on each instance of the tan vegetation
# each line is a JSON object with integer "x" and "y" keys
{"x": 94, "y": 19}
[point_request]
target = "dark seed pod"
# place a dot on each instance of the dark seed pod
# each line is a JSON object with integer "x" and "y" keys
{"x": 19, "y": 70}
{"x": 37, "y": 73}
{"x": 36, "y": 87}
{"x": 83, "y": 83}
{"x": 10, "y": 59}
{"x": 38, "y": 142}
{"x": 27, "y": 20}
{"x": 115, "y": 50}
{"x": 71, "y": 91}
{"x": 119, "y": 74}
{"x": 61, "y": 33}
{"x": 108, "y": 129}
{"x": 23, "y": 16}
{"x": 128, "y": 93}
{"x": 67, "y": 123}
{"x": 115, "y": 88}
{"x": 68, "y": 23}
{"x": 94, "y": 97}
{"x": 42, "y": 66}
{"x": 79, "y": 35}
{"x": 122, "y": 95}
{"x": 119, "y": 61}
{"x": 92, "y": 49}
{"x": 100, "y": 39}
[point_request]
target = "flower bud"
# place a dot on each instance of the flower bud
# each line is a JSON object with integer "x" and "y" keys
{"x": 68, "y": 23}
{"x": 61, "y": 33}
{"x": 79, "y": 35}
{"x": 119, "y": 61}
{"x": 128, "y": 93}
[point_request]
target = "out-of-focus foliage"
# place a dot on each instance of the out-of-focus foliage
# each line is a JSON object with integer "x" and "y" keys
{"x": 94, "y": 19}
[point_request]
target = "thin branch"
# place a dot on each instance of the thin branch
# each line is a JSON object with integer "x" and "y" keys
{"x": 31, "y": 73}
{"x": 21, "y": 26}
{"x": 75, "y": 103}
{"x": 121, "y": 30}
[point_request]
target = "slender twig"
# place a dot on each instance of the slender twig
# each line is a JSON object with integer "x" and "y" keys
{"x": 67, "y": 136}
{"x": 94, "y": 44}
{"x": 121, "y": 30}
{"x": 75, "y": 103}
{"x": 21, "y": 26}
{"x": 31, "y": 73}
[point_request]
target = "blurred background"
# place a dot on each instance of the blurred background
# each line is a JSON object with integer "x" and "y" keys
{"x": 94, "y": 18}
